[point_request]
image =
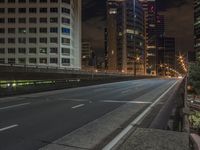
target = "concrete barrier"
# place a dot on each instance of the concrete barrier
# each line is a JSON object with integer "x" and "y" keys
{"x": 195, "y": 139}
{"x": 58, "y": 84}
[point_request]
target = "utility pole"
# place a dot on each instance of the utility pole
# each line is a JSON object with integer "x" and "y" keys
{"x": 135, "y": 69}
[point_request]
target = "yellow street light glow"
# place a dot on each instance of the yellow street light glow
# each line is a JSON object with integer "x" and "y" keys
{"x": 138, "y": 58}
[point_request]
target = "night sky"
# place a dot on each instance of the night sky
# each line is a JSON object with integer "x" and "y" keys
{"x": 178, "y": 15}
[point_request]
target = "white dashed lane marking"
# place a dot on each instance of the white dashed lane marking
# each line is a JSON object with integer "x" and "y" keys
{"x": 78, "y": 106}
{"x": 9, "y": 127}
{"x": 14, "y": 106}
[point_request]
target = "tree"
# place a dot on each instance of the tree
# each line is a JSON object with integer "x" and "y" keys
{"x": 195, "y": 120}
{"x": 194, "y": 76}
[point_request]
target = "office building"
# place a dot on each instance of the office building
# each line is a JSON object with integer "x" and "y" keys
{"x": 112, "y": 13}
{"x": 43, "y": 33}
{"x": 86, "y": 53}
{"x": 160, "y": 26}
{"x": 106, "y": 48}
{"x": 160, "y": 41}
{"x": 126, "y": 36}
{"x": 166, "y": 52}
{"x": 149, "y": 6}
{"x": 197, "y": 28}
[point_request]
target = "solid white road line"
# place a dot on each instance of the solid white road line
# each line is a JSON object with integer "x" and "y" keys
{"x": 9, "y": 127}
{"x": 129, "y": 102}
{"x": 110, "y": 145}
{"x": 78, "y": 106}
{"x": 13, "y": 106}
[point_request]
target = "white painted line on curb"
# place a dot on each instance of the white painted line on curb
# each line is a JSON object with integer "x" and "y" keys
{"x": 78, "y": 106}
{"x": 128, "y": 102}
{"x": 110, "y": 145}
{"x": 13, "y": 106}
{"x": 9, "y": 127}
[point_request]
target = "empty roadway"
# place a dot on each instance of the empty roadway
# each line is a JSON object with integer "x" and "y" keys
{"x": 29, "y": 122}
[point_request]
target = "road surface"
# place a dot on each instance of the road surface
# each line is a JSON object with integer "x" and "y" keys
{"x": 29, "y": 122}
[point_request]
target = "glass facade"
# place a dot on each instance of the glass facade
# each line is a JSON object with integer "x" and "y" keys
{"x": 128, "y": 35}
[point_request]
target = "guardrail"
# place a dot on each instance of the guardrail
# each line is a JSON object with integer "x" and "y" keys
{"x": 47, "y": 69}
{"x": 24, "y": 72}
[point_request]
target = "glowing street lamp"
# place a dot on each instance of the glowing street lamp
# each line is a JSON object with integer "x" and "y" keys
{"x": 136, "y": 60}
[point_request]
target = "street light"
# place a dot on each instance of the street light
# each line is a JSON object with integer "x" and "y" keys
{"x": 136, "y": 59}
{"x": 182, "y": 62}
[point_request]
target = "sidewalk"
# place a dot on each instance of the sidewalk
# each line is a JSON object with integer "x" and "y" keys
{"x": 153, "y": 139}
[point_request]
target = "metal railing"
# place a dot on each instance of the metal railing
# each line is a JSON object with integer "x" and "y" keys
{"x": 48, "y": 69}
{"x": 44, "y": 68}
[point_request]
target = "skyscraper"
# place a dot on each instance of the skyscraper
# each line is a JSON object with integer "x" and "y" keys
{"x": 86, "y": 53}
{"x": 41, "y": 33}
{"x": 160, "y": 26}
{"x": 112, "y": 13}
{"x": 160, "y": 40}
{"x": 126, "y": 36}
{"x": 106, "y": 48}
{"x": 150, "y": 9}
{"x": 197, "y": 28}
{"x": 166, "y": 51}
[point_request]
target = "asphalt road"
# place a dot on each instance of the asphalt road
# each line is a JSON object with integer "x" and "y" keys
{"x": 29, "y": 122}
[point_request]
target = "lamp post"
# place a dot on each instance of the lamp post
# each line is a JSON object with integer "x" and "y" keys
{"x": 134, "y": 34}
{"x": 136, "y": 59}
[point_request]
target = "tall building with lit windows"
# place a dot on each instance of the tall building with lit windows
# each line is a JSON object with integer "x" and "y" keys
{"x": 86, "y": 53}
{"x": 125, "y": 36}
{"x": 197, "y": 28}
{"x": 41, "y": 33}
{"x": 160, "y": 26}
{"x": 166, "y": 51}
{"x": 150, "y": 9}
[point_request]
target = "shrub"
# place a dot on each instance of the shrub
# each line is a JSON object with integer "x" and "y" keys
{"x": 194, "y": 76}
{"x": 195, "y": 120}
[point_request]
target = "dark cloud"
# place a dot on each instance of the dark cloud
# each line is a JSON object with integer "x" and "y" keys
{"x": 167, "y": 4}
{"x": 179, "y": 24}
{"x": 93, "y": 9}
{"x": 96, "y": 8}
